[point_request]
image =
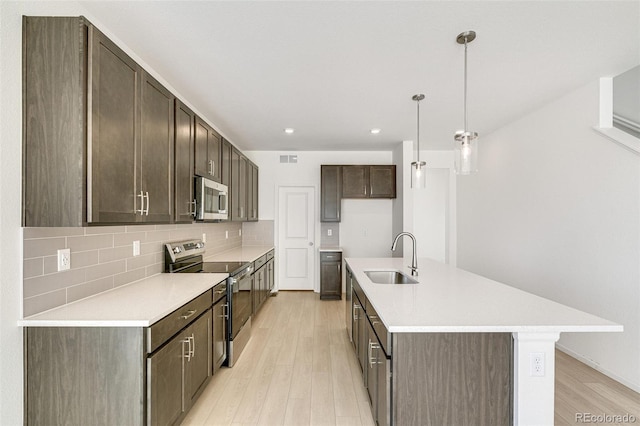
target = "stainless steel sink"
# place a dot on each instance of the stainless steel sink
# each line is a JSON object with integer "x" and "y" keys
{"x": 389, "y": 277}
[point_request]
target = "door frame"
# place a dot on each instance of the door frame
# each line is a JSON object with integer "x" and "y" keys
{"x": 316, "y": 235}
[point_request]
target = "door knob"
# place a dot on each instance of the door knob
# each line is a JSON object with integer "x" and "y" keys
{"x": 310, "y": 243}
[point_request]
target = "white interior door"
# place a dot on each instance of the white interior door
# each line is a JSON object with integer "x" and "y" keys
{"x": 296, "y": 238}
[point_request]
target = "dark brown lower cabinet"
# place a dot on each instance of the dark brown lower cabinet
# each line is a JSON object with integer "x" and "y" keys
{"x": 331, "y": 275}
{"x": 109, "y": 376}
{"x": 438, "y": 378}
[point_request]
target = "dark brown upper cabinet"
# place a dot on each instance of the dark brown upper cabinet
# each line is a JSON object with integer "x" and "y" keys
{"x": 208, "y": 151}
{"x": 184, "y": 163}
{"x": 382, "y": 181}
{"x": 225, "y": 166}
{"x": 238, "y": 204}
{"x": 105, "y": 154}
{"x": 330, "y": 193}
{"x": 353, "y": 181}
{"x": 369, "y": 181}
{"x": 252, "y": 192}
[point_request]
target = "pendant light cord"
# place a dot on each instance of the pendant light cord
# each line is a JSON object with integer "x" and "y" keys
{"x": 418, "y": 121}
{"x": 465, "y": 84}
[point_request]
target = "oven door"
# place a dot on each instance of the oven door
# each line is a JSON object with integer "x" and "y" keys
{"x": 240, "y": 295}
{"x": 211, "y": 200}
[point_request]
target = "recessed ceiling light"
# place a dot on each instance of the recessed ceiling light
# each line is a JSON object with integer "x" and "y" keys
{"x": 375, "y": 131}
{"x": 289, "y": 130}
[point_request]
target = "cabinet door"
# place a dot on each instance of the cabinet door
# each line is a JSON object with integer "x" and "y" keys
{"x": 220, "y": 318}
{"x": 202, "y": 134}
{"x": 156, "y": 150}
{"x": 382, "y": 181}
{"x": 255, "y": 299}
{"x": 330, "y": 193}
{"x": 114, "y": 133}
{"x": 383, "y": 391}
{"x": 214, "y": 151}
{"x": 238, "y": 186}
{"x": 198, "y": 361}
{"x": 225, "y": 163}
{"x": 165, "y": 374}
{"x": 348, "y": 312}
{"x": 330, "y": 276}
{"x": 371, "y": 367}
{"x": 355, "y": 181}
{"x": 184, "y": 152}
{"x": 252, "y": 192}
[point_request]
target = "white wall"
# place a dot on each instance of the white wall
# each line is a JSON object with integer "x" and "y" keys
{"x": 555, "y": 210}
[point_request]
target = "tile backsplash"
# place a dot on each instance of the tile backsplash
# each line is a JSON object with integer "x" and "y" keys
{"x": 325, "y": 239}
{"x": 102, "y": 257}
{"x": 258, "y": 233}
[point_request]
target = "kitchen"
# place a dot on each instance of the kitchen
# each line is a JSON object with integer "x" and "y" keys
{"x": 548, "y": 219}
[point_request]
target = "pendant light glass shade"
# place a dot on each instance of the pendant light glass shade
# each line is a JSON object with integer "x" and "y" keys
{"x": 466, "y": 153}
{"x": 418, "y": 168}
{"x": 465, "y": 141}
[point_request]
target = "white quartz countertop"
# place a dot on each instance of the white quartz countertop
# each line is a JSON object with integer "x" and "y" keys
{"x": 240, "y": 254}
{"x": 329, "y": 249}
{"x": 138, "y": 304}
{"x": 448, "y": 299}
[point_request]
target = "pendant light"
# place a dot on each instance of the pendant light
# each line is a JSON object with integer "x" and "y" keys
{"x": 418, "y": 168}
{"x": 465, "y": 145}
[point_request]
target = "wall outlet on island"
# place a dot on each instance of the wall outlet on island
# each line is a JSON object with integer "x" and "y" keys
{"x": 204, "y": 237}
{"x": 537, "y": 364}
{"x": 329, "y": 232}
{"x": 136, "y": 248}
{"x": 240, "y": 232}
{"x": 226, "y": 235}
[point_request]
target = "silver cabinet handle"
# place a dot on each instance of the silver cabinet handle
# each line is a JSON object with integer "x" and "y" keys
{"x": 193, "y": 346}
{"x": 141, "y": 211}
{"x": 355, "y": 315}
{"x": 192, "y": 208}
{"x": 213, "y": 168}
{"x": 372, "y": 360}
{"x": 188, "y": 314}
{"x": 226, "y": 311}
{"x": 188, "y": 354}
{"x": 147, "y": 196}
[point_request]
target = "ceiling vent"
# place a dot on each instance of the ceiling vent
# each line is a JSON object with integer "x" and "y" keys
{"x": 289, "y": 159}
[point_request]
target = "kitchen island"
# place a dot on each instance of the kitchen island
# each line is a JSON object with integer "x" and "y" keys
{"x": 458, "y": 326}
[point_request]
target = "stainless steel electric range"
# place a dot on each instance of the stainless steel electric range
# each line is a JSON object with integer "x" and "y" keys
{"x": 187, "y": 257}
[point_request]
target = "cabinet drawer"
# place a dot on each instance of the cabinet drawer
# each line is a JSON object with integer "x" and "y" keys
{"x": 259, "y": 262}
{"x": 379, "y": 328}
{"x": 220, "y": 290}
{"x": 270, "y": 255}
{"x": 162, "y": 330}
{"x": 334, "y": 256}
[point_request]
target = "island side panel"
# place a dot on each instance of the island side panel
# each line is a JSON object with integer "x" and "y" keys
{"x": 452, "y": 378}
{"x": 84, "y": 375}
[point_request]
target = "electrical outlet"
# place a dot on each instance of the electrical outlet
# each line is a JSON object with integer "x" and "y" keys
{"x": 204, "y": 237}
{"x": 64, "y": 259}
{"x": 240, "y": 232}
{"x": 226, "y": 235}
{"x": 136, "y": 248}
{"x": 329, "y": 232}
{"x": 536, "y": 368}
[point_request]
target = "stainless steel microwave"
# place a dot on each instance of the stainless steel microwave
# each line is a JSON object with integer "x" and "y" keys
{"x": 211, "y": 200}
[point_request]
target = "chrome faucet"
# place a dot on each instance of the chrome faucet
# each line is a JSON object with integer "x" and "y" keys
{"x": 414, "y": 259}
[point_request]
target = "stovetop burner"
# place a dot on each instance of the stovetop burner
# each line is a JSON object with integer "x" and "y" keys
{"x": 187, "y": 256}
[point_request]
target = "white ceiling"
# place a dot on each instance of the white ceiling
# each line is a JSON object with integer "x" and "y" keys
{"x": 334, "y": 70}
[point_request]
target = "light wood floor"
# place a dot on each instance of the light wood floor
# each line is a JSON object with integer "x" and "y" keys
{"x": 299, "y": 369}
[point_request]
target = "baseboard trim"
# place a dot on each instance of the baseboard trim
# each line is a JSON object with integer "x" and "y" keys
{"x": 633, "y": 386}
